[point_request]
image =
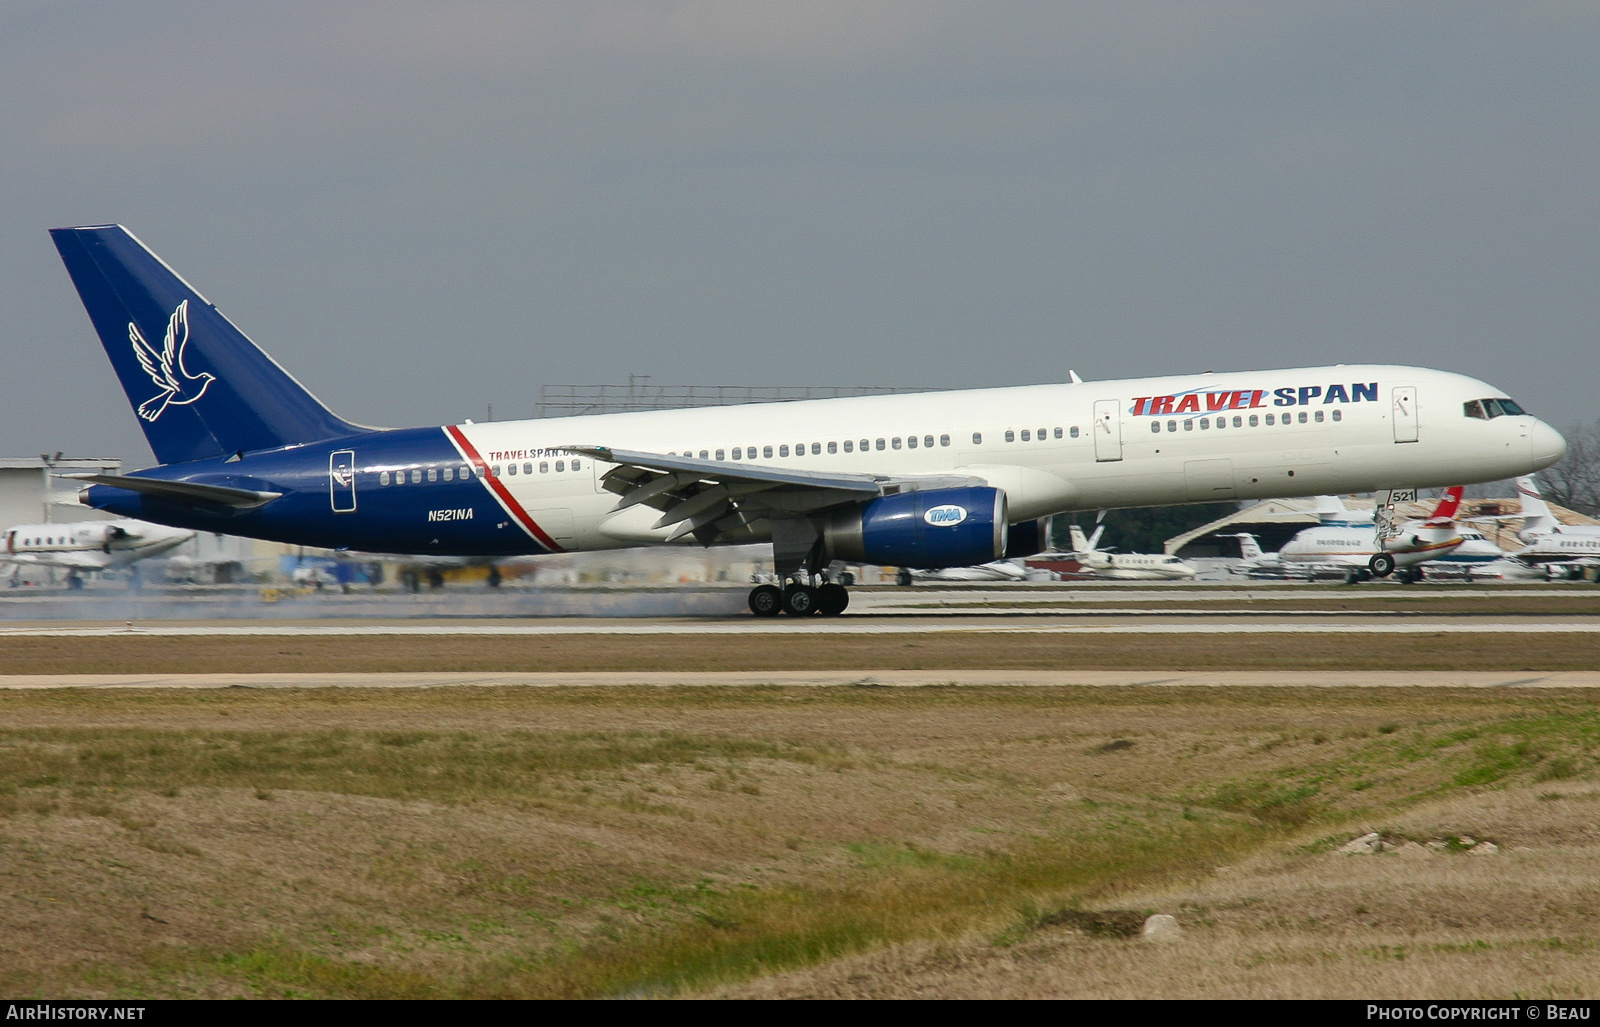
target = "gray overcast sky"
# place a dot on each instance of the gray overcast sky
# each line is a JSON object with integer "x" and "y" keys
{"x": 419, "y": 209}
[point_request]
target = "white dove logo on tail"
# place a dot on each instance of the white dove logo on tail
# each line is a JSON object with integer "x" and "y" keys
{"x": 165, "y": 368}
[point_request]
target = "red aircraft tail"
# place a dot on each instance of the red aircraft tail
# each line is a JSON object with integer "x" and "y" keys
{"x": 1448, "y": 506}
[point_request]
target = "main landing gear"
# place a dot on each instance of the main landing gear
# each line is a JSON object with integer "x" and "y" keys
{"x": 828, "y": 599}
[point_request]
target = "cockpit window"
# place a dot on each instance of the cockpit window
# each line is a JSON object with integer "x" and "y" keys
{"x": 1491, "y": 408}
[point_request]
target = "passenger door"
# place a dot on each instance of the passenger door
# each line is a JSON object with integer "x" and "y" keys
{"x": 1405, "y": 413}
{"x": 342, "y": 481}
{"x": 1108, "y": 429}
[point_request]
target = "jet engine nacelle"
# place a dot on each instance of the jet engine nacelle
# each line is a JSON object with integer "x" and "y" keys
{"x": 961, "y": 527}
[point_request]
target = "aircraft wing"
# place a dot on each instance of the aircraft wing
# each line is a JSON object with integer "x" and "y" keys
{"x": 712, "y": 498}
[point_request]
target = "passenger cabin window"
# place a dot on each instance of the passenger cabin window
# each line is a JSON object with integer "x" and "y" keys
{"x": 383, "y": 478}
{"x": 1302, "y": 417}
{"x": 1269, "y": 420}
{"x": 1155, "y": 426}
{"x": 576, "y": 465}
{"x": 849, "y": 447}
{"x": 927, "y": 442}
{"x": 865, "y": 445}
{"x": 1205, "y": 422}
{"x": 544, "y": 467}
{"x": 833, "y": 447}
{"x": 944, "y": 440}
{"x": 719, "y": 454}
{"x": 1254, "y": 420}
{"x": 1338, "y": 415}
{"x": 880, "y": 445}
{"x": 561, "y": 465}
{"x": 703, "y": 455}
{"x": 766, "y": 451}
{"x": 977, "y": 438}
{"x": 783, "y": 450}
{"x": 895, "y": 442}
{"x": 1172, "y": 426}
{"x": 1011, "y": 436}
{"x": 1188, "y": 425}
{"x": 1074, "y": 431}
{"x": 1318, "y": 417}
{"x": 1025, "y": 435}
{"x": 433, "y": 474}
{"x": 911, "y": 442}
{"x": 1041, "y": 434}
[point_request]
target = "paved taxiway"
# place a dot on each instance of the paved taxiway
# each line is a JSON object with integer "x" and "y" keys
{"x": 1137, "y": 624}
{"x": 823, "y": 679}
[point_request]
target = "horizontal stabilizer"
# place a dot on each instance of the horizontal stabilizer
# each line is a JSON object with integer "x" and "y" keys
{"x": 189, "y": 491}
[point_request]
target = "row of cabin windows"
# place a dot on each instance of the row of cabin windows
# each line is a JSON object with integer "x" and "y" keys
{"x": 1043, "y": 434}
{"x": 1239, "y": 421}
{"x": 52, "y": 541}
{"x": 434, "y": 474}
{"x": 817, "y": 448}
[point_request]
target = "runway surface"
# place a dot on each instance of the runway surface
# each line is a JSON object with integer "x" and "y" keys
{"x": 1312, "y": 623}
{"x": 823, "y": 679}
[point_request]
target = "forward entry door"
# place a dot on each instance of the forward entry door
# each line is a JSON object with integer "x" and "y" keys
{"x": 1108, "y": 429}
{"x": 1405, "y": 413}
{"x": 342, "y": 481}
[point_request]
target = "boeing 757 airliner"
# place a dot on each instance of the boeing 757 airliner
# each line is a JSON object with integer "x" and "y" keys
{"x": 939, "y": 479}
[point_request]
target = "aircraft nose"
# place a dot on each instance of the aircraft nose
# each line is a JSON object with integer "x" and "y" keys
{"x": 1545, "y": 444}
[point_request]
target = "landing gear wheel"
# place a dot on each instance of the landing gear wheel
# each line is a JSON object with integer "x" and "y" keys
{"x": 903, "y": 579}
{"x": 800, "y": 600}
{"x": 832, "y": 600}
{"x": 1381, "y": 565}
{"x": 766, "y": 600}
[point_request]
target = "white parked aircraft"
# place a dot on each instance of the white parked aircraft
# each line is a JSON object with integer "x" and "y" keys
{"x": 1555, "y": 548}
{"x": 1351, "y": 548}
{"x": 87, "y": 545}
{"x": 934, "y": 480}
{"x": 1103, "y": 563}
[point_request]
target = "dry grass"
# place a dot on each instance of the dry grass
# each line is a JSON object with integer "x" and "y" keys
{"x": 515, "y": 842}
{"x": 935, "y": 650}
{"x": 1288, "y": 923}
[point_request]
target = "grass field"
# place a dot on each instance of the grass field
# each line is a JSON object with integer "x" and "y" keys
{"x": 957, "y": 841}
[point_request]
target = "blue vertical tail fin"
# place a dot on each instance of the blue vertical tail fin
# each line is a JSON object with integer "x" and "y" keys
{"x": 199, "y": 386}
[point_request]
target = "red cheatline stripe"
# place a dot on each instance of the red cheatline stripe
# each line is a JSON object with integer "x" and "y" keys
{"x": 498, "y": 487}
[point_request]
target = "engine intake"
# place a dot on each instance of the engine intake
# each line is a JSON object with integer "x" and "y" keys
{"x": 960, "y": 527}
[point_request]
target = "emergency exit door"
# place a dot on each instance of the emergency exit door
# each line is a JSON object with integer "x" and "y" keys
{"x": 342, "y": 481}
{"x": 1108, "y": 429}
{"x": 1405, "y": 413}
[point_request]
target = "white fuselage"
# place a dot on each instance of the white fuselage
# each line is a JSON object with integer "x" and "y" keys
{"x": 1134, "y": 566}
{"x": 1051, "y": 448}
{"x": 88, "y": 545}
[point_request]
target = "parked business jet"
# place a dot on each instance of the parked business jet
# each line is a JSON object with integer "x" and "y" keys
{"x": 1558, "y": 549}
{"x": 1353, "y": 549}
{"x": 87, "y": 545}
{"x": 1103, "y": 563}
{"x": 932, "y": 480}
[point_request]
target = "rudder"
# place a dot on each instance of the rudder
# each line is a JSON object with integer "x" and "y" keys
{"x": 199, "y": 386}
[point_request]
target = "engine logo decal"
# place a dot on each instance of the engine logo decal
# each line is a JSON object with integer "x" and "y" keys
{"x": 945, "y": 516}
